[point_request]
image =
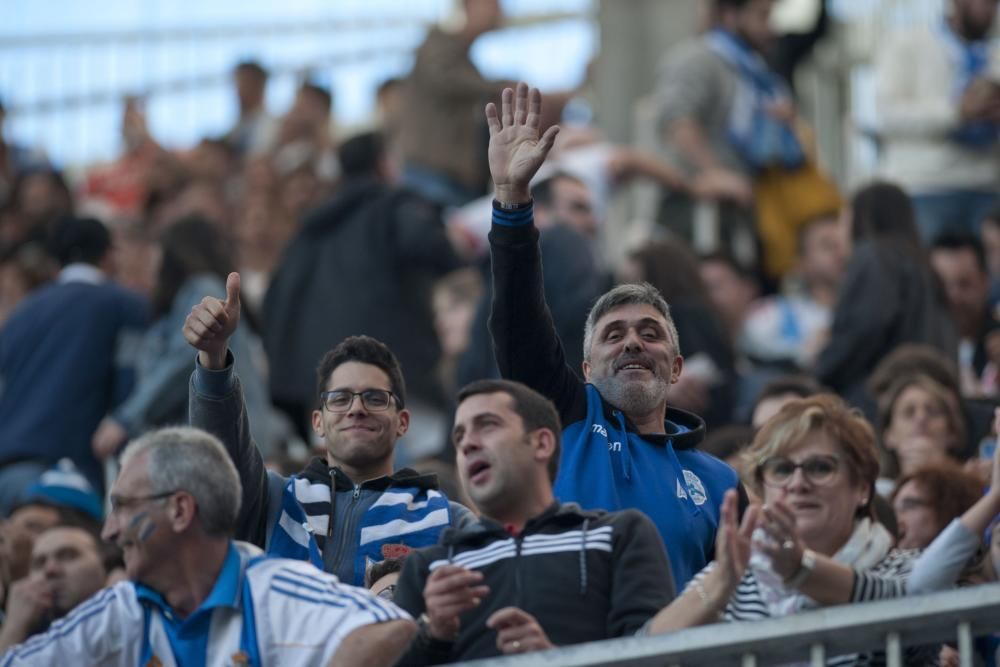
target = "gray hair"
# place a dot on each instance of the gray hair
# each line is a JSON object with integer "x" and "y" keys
{"x": 189, "y": 459}
{"x": 627, "y": 295}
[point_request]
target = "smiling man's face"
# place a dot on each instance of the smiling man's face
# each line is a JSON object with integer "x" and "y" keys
{"x": 633, "y": 358}
{"x": 360, "y": 438}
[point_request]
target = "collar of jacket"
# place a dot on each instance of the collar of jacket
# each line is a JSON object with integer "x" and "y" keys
{"x": 556, "y": 514}
{"x": 689, "y": 439}
{"x": 319, "y": 472}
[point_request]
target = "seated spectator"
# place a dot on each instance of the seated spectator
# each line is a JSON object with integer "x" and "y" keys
{"x": 990, "y": 235}
{"x": 889, "y": 295}
{"x": 15, "y": 159}
{"x": 455, "y": 298}
{"x": 193, "y": 593}
{"x": 727, "y": 443}
{"x": 582, "y": 575}
{"x": 732, "y": 289}
{"x": 939, "y": 115}
{"x": 726, "y": 115}
{"x": 444, "y": 160}
{"x": 39, "y": 200}
{"x": 815, "y": 542}
{"x": 255, "y": 130}
{"x": 68, "y": 565}
{"x": 927, "y": 499}
{"x": 788, "y": 330}
{"x": 707, "y": 385}
{"x": 122, "y": 186}
{"x": 382, "y": 577}
{"x": 780, "y": 391}
{"x": 193, "y": 262}
{"x": 922, "y": 424}
{"x": 960, "y": 263}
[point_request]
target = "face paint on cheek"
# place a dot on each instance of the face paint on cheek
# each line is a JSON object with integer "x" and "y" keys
{"x": 140, "y": 528}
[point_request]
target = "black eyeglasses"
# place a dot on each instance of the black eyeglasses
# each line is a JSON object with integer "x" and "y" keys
{"x": 819, "y": 470}
{"x": 340, "y": 400}
{"x": 119, "y": 503}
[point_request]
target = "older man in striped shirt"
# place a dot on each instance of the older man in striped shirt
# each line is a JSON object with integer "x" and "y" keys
{"x": 194, "y": 597}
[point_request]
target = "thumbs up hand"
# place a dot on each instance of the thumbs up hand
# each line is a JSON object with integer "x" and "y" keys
{"x": 211, "y": 324}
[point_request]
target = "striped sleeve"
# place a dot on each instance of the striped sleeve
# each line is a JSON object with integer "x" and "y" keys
{"x": 89, "y": 635}
{"x": 886, "y": 580}
{"x": 303, "y": 614}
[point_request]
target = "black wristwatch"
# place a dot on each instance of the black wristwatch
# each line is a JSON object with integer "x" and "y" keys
{"x": 428, "y": 641}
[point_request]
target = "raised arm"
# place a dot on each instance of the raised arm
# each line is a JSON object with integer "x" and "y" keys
{"x": 526, "y": 344}
{"x": 216, "y": 403}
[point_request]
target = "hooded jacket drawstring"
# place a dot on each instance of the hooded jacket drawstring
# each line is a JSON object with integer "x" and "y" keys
{"x": 626, "y": 448}
{"x": 583, "y": 557}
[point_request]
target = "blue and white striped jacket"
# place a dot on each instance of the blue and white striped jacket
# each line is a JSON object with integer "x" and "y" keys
{"x": 284, "y": 613}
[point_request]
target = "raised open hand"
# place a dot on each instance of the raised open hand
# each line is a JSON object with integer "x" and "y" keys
{"x": 517, "y": 148}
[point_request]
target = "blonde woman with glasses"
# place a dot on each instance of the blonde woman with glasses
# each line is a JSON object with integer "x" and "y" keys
{"x": 813, "y": 542}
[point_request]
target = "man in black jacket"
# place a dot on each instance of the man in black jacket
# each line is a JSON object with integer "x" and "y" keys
{"x": 532, "y": 573}
{"x": 363, "y": 263}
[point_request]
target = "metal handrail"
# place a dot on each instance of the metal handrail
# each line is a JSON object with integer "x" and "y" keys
{"x": 887, "y": 625}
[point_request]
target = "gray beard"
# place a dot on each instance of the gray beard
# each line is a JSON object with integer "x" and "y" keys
{"x": 633, "y": 398}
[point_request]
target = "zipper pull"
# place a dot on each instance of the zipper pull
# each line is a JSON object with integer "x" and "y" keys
{"x": 357, "y": 491}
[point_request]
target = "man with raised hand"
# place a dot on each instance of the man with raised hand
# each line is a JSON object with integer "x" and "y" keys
{"x": 343, "y": 512}
{"x": 193, "y": 596}
{"x": 622, "y": 446}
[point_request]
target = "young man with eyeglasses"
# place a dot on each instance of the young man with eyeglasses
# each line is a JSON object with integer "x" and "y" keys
{"x": 196, "y": 597}
{"x": 349, "y": 510}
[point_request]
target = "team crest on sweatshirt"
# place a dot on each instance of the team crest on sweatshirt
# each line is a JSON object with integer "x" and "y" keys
{"x": 694, "y": 486}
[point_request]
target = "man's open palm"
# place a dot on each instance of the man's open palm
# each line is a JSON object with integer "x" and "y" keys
{"x": 517, "y": 148}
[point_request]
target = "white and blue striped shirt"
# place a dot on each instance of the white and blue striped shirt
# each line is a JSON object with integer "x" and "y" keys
{"x": 298, "y": 616}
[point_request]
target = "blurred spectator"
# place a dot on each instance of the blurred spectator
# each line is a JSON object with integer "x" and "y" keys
{"x": 959, "y": 261}
{"x": 38, "y": 201}
{"x": 728, "y": 442}
{"x": 927, "y": 499}
{"x": 725, "y": 114}
{"x": 939, "y": 109}
{"x": 255, "y": 130}
{"x": 889, "y": 295}
{"x": 67, "y": 357}
{"x": 789, "y": 330}
{"x": 60, "y": 497}
{"x": 16, "y": 159}
{"x": 67, "y": 567}
{"x": 23, "y": 268}
{"x": 192, "y": 592}
{"x": 122, "y": 187}
{"x": 922, "y": 424}
{"x": 263, "y": 229}
{"x": 732, "y": 289}
{"x": 990, "y": 236}
{"x": 394, "y": 243}
{"x": 454, "y": 301}
{"x": 780, "y": 391}
{"x": 564, "y": 215}
{"x": 305, "y": 134}
{"x": 193, "y": 261}
{"x": 442, "y": 133}
{"x": 706, "y": 386}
